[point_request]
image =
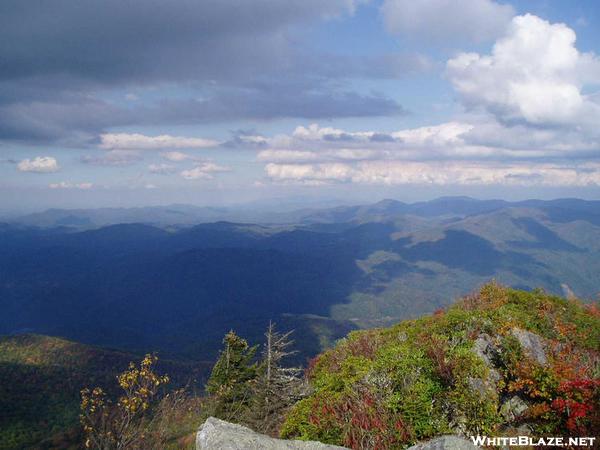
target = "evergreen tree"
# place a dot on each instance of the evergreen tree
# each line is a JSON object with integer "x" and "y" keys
{"x": 276, "y": 387}
{"x": 230, "y": 377}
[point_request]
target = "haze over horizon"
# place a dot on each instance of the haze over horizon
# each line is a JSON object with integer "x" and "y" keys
{"x": 298, "y": 102}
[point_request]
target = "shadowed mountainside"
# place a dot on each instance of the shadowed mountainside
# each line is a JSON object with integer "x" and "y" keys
{"x": 136, "y": 286}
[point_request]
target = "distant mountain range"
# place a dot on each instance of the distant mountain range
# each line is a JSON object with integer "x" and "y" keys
{"x": 168, "y": 285}
{"x": 186, "y": 215}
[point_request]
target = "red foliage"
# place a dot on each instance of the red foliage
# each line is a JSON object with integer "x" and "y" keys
{"x": 365, "y": 423}
{"x": 593, "y": 309}
{"x": 310, "y": 367}
{"x": 436, "y": 349}
{"x": 439, "y": 312}
{"x": 579, "y": 405}
{"x": 366, "y": 345}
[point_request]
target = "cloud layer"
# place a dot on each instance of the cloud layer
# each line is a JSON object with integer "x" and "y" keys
{"x": 533, "y": 119}
{"x": 129, "y": 85}
{"x": 446, "y": 20}
{"x": 136, "y": 141}
{"x": 226, "y": 60}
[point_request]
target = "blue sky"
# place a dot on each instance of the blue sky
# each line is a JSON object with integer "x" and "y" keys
{"x": 143, "y": 102}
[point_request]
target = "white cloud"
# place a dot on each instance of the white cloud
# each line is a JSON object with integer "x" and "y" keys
{"x": 252, "y": 139}
{"x": 450, "y": 173}
{"x": 135, "y": 141}
{"x": 331, "y": 172}
{"x": 480, "y": 138}
{"x": 162, "y": 169}
{"x": 274, "y": 155}
{"x": 203, "y": 171}
{"x": 314, "y": 132}
{"x": 39, "y": 164}
{"x": 444, "y": 20}
{"x": 287, "y": 155}
{"x": 534, "y": 74}
{"x": 434, "y": 136}
{"x": 68, "y": 185}
{"x": 532, "y": 121}
{"x": 179, "y": 156}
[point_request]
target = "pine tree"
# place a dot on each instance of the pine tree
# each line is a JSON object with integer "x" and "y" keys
{"x": 276, "y": 387}
{"x": 229, "y": 382}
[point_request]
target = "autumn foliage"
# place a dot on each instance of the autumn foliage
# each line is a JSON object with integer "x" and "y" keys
{"x": 389, "y": 388}
{"x": 108, "y": 425}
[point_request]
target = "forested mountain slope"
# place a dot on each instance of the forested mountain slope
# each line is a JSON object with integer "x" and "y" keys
{"x": 136, "y": 286}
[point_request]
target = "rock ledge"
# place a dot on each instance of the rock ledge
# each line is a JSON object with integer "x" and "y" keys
{"x": 217, "y": 434}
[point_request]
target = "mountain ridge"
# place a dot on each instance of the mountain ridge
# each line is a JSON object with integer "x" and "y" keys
{"x": 187, "y": 215}
{"x": 124, "y": 284}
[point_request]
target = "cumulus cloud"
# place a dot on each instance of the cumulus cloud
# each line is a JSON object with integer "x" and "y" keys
{"x": 203, "y": 171}
{"x": 314, "y": 143}
{"x": 534, "y": 74}
{"x": 444, "y": 20}
{"x": 39, "y": 164}
{"x": 533, "y": 121}
{"x": 135, "y": 141}
{"x": 69, "y": 185}
{"x": 438, "y": 135}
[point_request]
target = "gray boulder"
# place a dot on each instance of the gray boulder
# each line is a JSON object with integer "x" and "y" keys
{"x": 532, "y": 345}
{"x": 445, "y": 443}
{"x": 216, "y": 434}
{"x": 485, "y": 348}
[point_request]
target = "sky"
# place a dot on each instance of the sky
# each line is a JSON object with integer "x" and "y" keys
{"x": 224, "y": 102}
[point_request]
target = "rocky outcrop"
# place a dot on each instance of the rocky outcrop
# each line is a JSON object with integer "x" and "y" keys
{"x": 514, "y": 408}
{"x": 486, "y": 349}
{"x": 445, "y": 443}
{"x": 533, "y": 345}
{"x": 217, "y": 434}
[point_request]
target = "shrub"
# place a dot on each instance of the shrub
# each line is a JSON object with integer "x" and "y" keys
{"x": 121, "y": 425}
